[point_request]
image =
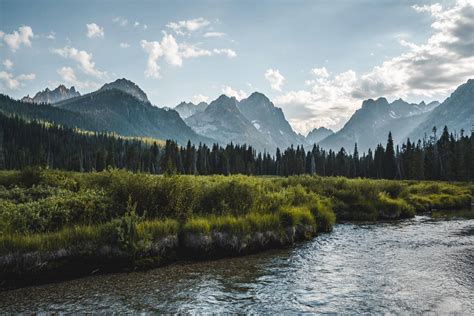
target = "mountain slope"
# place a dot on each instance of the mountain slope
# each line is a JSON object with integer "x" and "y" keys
{"x": 122, "y": 113}
{"x": 127, "y": 86}
{"x": 52, "y": 96}
{"x": 186, "y": 110}
{"x": 371, "y": 124}
{"x": 456, "y": 112}
{"x": 318, "y": 134}
{"x": 223, "y": 121}
{"x": 269, "y": 120}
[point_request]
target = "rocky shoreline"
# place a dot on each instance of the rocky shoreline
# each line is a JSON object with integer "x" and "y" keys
{"x": 20, "y": 269}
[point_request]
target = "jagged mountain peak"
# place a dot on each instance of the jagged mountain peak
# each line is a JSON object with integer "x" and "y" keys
{"x": 224, "y": 102}
{"x": 318, "y": 134}
{"x": 127, "y": 86}
{"x": 49, "y": 96}
{"x": 371, "y": 102}
{"x": 187, "y": 109}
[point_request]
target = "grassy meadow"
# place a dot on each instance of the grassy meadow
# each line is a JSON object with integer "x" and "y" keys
{"x": 45, "y": 210}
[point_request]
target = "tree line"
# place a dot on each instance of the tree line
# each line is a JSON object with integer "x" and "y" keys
{"x": 34, "y": 143}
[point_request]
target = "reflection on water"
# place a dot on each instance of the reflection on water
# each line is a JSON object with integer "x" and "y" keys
{"x": 415, "y": 266}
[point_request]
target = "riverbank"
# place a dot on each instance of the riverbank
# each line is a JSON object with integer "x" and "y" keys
{"x": 64, "y": 224}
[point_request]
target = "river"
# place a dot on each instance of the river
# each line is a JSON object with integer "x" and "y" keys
{"x": 415, "y": 266}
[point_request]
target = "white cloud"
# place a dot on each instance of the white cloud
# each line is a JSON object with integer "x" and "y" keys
{"x": 320, "y": 72}
{"x": 120, "y": 21}
{"x": 8, "y": 64}
{"x": 275, "y": 79}
{"x": 26, "y": 77}
{"x": 230, "y": 92}
{"x": 21, "y": 37}
{"x": 214, "y": 34}
{"x": 94, "y": 30}
{"x": 186, "y": 26}
{"x": 68, "y": 76}
{"x": 225, "y": 51}
{"x": 83, "y": 58}
{"x": 8, "y": 80}
{"x": 173, "y": 53}
{"x": 51, "y": 35}
{"x": 190, "y": 51}
{"x": 430, "y": 69}
{"x": 136, "y": 24}
{"x": 124, "y": 45}
{"x": 12, "y": 83}
{"x": 198, "y": 98}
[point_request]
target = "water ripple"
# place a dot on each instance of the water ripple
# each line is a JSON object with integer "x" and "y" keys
{"x": 415, "y": 266}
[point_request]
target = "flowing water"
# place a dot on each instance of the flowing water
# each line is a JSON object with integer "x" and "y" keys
{"x": 415, "y": 266}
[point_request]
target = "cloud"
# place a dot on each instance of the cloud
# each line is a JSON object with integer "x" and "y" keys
{"x": 51, "y": 35}
{"x": 275, "y": 79}
{"x": 198, "y": 98}
{"x": 93, "y": 30}
{"x": 430, "y": 69}
{"x": 214, "y": 34}
{"x": 329, "y": 102}
{"x": 225, "y": 51}
{"x": 173, "y": 53}
{"x": 21, "y": 37}
{"x": 190, "y": 51}
{"x": 320, "y": 72}
{"x": 124, "y": 45}
{"x": 12, "y": 83}
{"x": 7, "y": 79}
{"x": 187, "y": 26}
{"x": 230, "y": 92}
{"x": 8, "y": 64}
{"x": 68, "y": 76}
{"x": 83, "y": 58}
{"x": 435, "y": 67}
{"x": 120, "y": 21}
{"x": 26, "y": 77}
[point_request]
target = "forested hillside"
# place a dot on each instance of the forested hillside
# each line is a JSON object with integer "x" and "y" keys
{"x": 35, "y": 143}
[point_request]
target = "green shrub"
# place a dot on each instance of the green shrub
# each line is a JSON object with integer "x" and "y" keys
{"x": 197, "y": 226}
{"x": 293, "y": 216}
{"x": 390, "y": 208}
{"x": 323, "y": 215}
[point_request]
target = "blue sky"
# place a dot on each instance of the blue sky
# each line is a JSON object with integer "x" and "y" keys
{"x": 316, "y": 59}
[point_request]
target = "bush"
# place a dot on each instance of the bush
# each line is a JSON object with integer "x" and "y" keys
{"x": 197, "y": 226}
{"x": 293, "y": 216}
{"x": 390, "y": 208}
{"x": 323, "y": 215}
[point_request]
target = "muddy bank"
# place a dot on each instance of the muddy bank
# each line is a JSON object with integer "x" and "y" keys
{"x": 20, "y": 269}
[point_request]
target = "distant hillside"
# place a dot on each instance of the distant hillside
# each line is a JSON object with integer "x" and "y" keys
{"x": 109, "y": 110}
{"x": 456, "y": 112}
{"x": 223, "y": 121}
{"x": 371, "y": 124}
{"x": 186, "y": 110}
{"x": 318, "y": 134}
{"x": 269, "y": 120}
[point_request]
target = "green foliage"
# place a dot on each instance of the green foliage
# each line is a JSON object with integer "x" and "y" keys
{"x": 197, "y": 226}
{"x": 390, "y": 208}
{"x": 293, "y": 216}
{"x": 323, "y": 215}
{"x": 428, "y": 196}
{"x": 129, "y": 210}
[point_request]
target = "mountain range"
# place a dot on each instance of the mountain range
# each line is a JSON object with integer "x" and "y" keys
{"x": 52, "y": 96}
{"x": 122, "y": 107}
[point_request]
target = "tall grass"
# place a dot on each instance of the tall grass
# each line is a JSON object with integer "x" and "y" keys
{"x": 40, "y": 208}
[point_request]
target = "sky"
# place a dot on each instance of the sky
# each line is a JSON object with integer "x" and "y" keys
{"x": 317, "y": 60}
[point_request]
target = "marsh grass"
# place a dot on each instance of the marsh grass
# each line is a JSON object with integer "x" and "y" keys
{"x": 48, "y": 209}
